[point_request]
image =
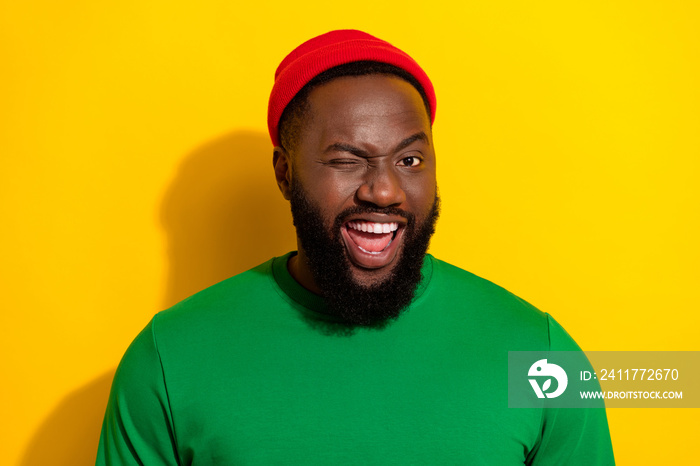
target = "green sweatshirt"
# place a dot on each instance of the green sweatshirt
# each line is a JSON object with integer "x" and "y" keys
{"x": 254, "y": 371}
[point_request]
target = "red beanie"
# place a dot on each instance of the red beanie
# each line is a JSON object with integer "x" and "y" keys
{"x": 326, "y": 51}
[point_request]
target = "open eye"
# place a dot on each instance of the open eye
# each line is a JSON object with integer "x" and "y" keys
{"x": 411, "y": 161}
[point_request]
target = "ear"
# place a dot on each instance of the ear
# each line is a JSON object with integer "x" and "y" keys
{"x": 283, "y": 170}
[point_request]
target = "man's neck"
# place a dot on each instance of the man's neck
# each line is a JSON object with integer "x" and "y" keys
{"x": 299, "y": 270}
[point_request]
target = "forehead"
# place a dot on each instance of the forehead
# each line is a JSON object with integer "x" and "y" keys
{"x": 370, "y": 109}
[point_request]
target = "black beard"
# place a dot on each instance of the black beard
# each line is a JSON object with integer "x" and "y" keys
{"x": 352, "y": 302}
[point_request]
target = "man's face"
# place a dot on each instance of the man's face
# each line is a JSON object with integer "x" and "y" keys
{"x": 363, "y": 193}
{"x": 368, "y": 144}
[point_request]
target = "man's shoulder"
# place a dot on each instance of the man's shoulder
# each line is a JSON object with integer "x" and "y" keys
{"x": 233, "y": 287}
{"x": 454, "y": 279}
{"x": 481, "y": 299}
{"x": 234, "y": 295}
{"x": 450, "y": 271}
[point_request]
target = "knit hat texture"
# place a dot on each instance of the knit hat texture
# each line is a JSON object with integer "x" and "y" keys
{"x": 326, "y": 51}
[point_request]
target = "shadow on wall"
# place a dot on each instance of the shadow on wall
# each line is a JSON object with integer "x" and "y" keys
{"x": 69, "y": 436}
{"x": 223, "y": 214}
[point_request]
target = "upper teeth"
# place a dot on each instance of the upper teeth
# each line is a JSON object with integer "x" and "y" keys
{"x": 379, "y": 228}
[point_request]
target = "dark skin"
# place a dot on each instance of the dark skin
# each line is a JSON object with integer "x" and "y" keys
{"x": 366, "y": 142}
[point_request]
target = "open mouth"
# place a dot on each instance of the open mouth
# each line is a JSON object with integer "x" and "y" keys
{"x": 372, "y": 244}
{"x": 372, "y": 238}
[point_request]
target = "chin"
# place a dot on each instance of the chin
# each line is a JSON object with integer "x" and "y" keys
{"x": 371, "y": 277}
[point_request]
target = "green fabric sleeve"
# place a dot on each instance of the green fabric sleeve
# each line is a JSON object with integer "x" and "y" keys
{"x": 138, "y": 426}
{"x": 572, "y": 436}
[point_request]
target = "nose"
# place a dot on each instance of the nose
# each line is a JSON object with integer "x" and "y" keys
{"x": 381, "y": 186}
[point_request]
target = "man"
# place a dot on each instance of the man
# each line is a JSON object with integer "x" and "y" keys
{"x": 359, "y": 348}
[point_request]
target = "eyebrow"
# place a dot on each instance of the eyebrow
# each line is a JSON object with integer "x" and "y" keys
{"x": 343, "y": 147}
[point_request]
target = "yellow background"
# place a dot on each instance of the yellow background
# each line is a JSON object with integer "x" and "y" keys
{"x": 136, "y": 170}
